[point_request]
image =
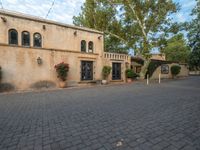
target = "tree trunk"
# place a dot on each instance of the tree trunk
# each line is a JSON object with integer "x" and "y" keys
{"x": 144, "y": 68}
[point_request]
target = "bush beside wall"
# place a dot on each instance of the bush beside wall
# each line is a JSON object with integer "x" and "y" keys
{"x": 106, "y": 71}
{"x": 175, "y": 70}
{"x": 131, "y": 74}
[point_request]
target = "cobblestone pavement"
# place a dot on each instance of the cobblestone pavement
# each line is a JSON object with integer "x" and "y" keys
{"x": 131, "y": 116}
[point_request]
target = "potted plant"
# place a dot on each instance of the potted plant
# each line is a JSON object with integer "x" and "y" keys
{"x": 130, "y": 75}
{"x": 62, "y": 72}
{"x": 105, "y": 73}
{"x": 175, "y": 70}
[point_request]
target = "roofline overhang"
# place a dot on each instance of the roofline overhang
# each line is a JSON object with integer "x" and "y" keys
{"x": 46, "y": 21}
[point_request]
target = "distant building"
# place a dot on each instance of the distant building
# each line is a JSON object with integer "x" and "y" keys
{"x": 31, "y": 46}
{"x": 163, "y": 68}
{"x": 158, "y": 56}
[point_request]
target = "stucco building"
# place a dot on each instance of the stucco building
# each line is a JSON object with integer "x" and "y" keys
{"x": 31, "y": 46}
{"x": 163, "y": 66}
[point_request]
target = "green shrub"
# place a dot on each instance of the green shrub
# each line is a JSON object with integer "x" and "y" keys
{"x": 106, "y": 71}
{"x": 175, "y": 70}
{"x": 131, "y": 74}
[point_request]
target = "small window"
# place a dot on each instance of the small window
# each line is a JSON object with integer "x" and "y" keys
{"x": 164, "y": 69}
{"x": 131, "y": 66}
{"x": 25, "y": 38}
{"x": 83, "y": 46}
{"x": 138, "y": 69}
{"x": 90, "y": 47}
{"x": 13, "y": 36}
{"x": 37, "y": 40}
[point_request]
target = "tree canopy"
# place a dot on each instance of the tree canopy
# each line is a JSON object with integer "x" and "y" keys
{"x": 193, "y": 29}
{"x": 129, "y": 24}
{"x": 99, "y": 15}
{"x": 176, "y": 49}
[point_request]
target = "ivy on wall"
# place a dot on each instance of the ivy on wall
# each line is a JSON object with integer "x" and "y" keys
{"x": 153, "y": 65}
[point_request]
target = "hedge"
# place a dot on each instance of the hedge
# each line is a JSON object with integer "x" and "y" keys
{"x": 175, "y": 70}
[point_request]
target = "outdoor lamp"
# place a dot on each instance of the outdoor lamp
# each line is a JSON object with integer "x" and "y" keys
{"x": 75, "y": 33}
{"x": 4, "y": 19}
{"x": 39, "y": 61}
{"x": 44, "y": 27}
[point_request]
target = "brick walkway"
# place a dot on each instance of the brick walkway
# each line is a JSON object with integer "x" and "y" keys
{"x": 131, "y": 116}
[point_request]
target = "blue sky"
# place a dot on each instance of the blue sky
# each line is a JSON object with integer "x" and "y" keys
{"x": 64, "y": 10}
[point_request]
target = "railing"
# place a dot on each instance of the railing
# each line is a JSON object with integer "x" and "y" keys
{"x": 116, "y": 56}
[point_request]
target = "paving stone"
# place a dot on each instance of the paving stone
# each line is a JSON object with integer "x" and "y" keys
{"x": 119, "y": 117}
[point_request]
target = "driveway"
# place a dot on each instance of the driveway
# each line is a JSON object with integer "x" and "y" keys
{"x": 130, "y": 116}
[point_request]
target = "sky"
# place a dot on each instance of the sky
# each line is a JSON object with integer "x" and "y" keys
{"x": 64, "y": 10}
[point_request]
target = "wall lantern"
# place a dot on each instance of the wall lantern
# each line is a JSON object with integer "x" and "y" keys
{"x": 4, "y": 19}
{"x": 75, "y": 33}
{"x": 39, "y": 61}
{"x": 44, "y": 27}
{"x": 99, "y": 37}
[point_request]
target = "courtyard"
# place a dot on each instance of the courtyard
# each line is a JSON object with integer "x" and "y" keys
{"x": 129, "y": 116}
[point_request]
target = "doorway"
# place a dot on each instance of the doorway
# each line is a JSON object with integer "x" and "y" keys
{"x": 116, "y": 71}
{"x": 86, "y": 70}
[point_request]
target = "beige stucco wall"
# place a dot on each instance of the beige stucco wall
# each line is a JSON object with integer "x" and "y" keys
{"x": 19, "y": 64}
{"x": 108, "y": 62}
{"x": 183, "y": 73}
{"x": 134, "y": 65}
{"x": 59, "y": 44}
{"x": 124, "y": 60}
{"x": 158, "y": 56}
{"x": 54, "y": 36}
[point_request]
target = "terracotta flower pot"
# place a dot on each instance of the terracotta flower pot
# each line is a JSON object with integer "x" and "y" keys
{"x": 62, "y": 84}
{"x": 129, "y": 80}
{"x": 104, "y": 81}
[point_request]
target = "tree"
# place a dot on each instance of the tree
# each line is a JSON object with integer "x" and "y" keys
{"x": 130, "y": 24}
{"x": 194, "y": 60}
{"x": 100, "y": 15}
{"x": 148, "y": 25}
{"x": 176, "y": 49}
{"x": 193, "y": 29}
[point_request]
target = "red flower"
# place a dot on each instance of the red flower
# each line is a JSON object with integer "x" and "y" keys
{"x": 62, "y": 69}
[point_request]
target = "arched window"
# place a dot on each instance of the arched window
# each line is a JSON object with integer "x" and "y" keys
{"x": 83, "y": 46}
{"x": 25, "y": 38}
{"x": 37, "y": 40}
{"x": 13, "y": 36}
{"x": 90, "y": 47}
